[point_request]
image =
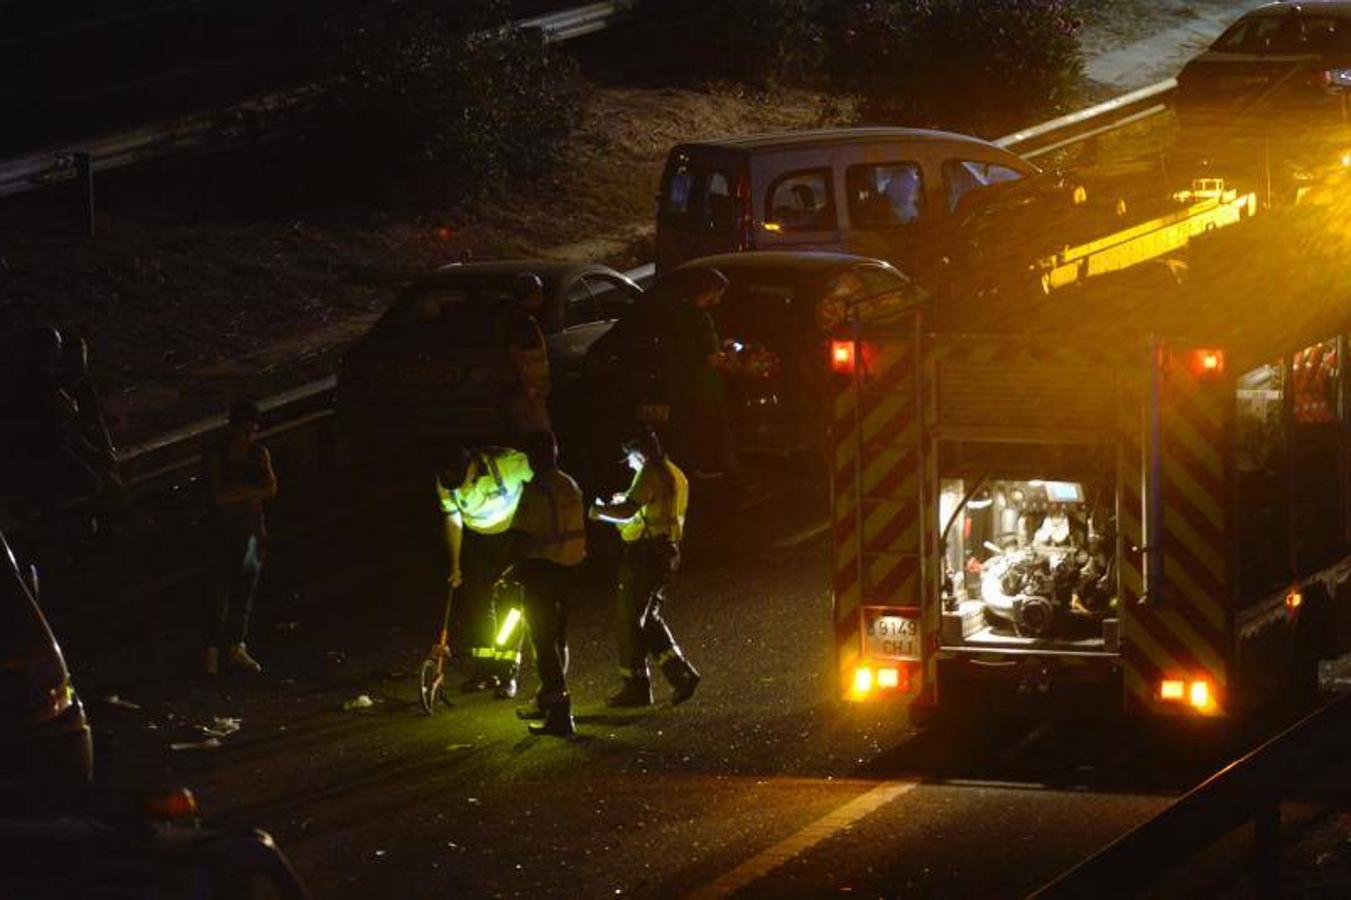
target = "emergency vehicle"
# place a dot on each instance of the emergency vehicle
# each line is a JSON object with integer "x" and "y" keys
{"x": 1129, "y": 497}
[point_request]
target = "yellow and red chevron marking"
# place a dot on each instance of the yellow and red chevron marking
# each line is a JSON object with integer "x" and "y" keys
{"x": 876, "y": 511}
{"x": 1184, "y": 632}
{"x": 1139, "y": 677}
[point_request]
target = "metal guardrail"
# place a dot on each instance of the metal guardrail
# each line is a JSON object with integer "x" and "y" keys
{"x": 1249, "y": 790}
{"x": 250, "y": 119}
{"x": 311, "y": 404}
{"x": 1091, "y": 122}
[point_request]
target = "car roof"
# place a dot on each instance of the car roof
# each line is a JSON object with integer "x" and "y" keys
{"x": 1336, "y": 8}
{"x": 827, "y": 136}
{"x": 799, "y": 260}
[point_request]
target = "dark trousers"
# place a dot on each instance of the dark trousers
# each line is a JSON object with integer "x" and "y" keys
{"x": 547, "y": 587}
{"x": 644, "y": 575}
{"x": 234, "y": 563}
{"x": 485, "y": 558}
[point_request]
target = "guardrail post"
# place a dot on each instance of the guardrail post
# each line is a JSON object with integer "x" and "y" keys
{"x": 1267, "y": 848}
{"x": 84, "y": 167}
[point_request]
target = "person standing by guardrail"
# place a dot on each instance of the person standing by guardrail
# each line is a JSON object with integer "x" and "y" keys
{"x": 240, "y": 479}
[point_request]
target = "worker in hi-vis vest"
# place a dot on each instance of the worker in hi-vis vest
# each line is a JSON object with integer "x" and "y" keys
{"x": 552, "y": 523}
{"x": 479, "y": 493}
{"x": 651, "y": 520}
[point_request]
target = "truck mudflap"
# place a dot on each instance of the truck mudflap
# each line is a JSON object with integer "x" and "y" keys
{"x": 1036, "y": 684}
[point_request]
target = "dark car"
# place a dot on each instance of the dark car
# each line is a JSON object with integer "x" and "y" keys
{"x": 774, "y": 320}
{"x": 429, "y": 372}
{"x": 45, "y": 749}
{"x": 1274, "y": 84}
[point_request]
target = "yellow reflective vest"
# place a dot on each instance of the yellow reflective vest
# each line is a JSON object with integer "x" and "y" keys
{"x": 488, "y": 504}
{"x": 551, "y": 514}
{"x": 662, "y": 493}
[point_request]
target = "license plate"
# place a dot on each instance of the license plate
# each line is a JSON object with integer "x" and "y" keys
{"x": 653, "y": 413}
{"x": 890, "y": 633}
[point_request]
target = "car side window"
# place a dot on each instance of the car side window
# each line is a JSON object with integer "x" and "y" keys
{"x": 579, "y": 307}
{"x": 1250, "y": 36}
{"x": 802, "y": 201}
{"x": 965, "y": 175}
{"x": 885, "y": 195}
{"x": 719, "y": 202}
{"x": 611, "y": 295}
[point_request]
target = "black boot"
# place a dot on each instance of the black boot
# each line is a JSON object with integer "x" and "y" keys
{"x": 682, "y": 676}
{"x": 557, "y": 719}
{"x": 634, "y": 692}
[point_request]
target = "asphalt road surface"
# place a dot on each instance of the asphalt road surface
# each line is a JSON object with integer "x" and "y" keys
{"x": 762, "y": 784}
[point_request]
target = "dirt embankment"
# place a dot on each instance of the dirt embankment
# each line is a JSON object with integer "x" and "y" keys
{"x": 214, "y": 276}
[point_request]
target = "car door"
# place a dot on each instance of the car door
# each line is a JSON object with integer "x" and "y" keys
{"x": 591, "y": 301}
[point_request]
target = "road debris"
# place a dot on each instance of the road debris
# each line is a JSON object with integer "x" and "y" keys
{"x": 114, "y": 700}
{"x": 208, "y": 744}
{"x": 362, "y": 701}
{"x": 221, "y": 726}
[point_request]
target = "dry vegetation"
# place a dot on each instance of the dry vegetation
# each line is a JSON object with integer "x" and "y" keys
{"x": 251, "y": 274}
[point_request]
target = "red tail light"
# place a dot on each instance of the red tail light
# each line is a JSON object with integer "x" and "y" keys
{"x": 745, "y": 215}
{"x": 842, "y": 357}
{"x": 1207, "y": 363}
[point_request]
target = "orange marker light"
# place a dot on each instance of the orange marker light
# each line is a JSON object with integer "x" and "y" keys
{"x": 842, "y": 357}
{"x": 863, "y": 682}
{"x": 1171, "y": 690}
{"x": 888, "y": 678}
{"x": 1199, "y": 695}
{"x": 1294, "y": 600}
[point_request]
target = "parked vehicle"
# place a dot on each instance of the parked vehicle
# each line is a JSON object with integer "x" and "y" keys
{"x": 89, "y": 858}
{"x": 888, "y": 193}
{"x": 773, "y": 320}
{"x": 1278, "y": 59}
{"x": 428, "y": 373}
{"x": 1270, "y": 97}
{"x": 46, "y": 754}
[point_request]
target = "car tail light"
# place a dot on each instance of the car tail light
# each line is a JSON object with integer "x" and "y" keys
{"x": 863, "y": 683}
{"x": 745, "y": 216}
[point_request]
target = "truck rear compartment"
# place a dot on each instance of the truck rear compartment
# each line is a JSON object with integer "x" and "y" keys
{"x": 1028, "y": 565}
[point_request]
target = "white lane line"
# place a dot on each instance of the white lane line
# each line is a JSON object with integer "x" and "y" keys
{"x": 827, "y": 826}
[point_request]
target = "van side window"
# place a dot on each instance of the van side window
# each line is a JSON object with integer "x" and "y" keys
{"x": 678, "y": 193}
{"x": 884, "y": 195}
{"x": 965, "y": 175}
{"x": 802, "y": 201}
{"x": 719, "y": 205}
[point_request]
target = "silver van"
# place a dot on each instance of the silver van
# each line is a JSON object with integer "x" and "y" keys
{"x": 888, "y": 193}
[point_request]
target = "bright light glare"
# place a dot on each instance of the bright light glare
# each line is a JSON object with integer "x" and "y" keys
{"x": 1199, "y": 695}
{"x": 1294, "y": 600}
{"x": 888, "y": 678}
{"x": 1171, "y": 690}
{"x": 863, "y": 681}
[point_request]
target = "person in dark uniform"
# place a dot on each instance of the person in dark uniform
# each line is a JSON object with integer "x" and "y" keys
{"x": 694, "y": 362}
{"x": 650, "y": 516}
{"x": 527, "y": 356}
{"x": 552, "y": 525}
{"x": 240, "y": 479}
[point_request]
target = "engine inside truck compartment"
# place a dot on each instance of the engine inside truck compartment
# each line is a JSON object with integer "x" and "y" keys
{"x": 1028, "y": 563}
